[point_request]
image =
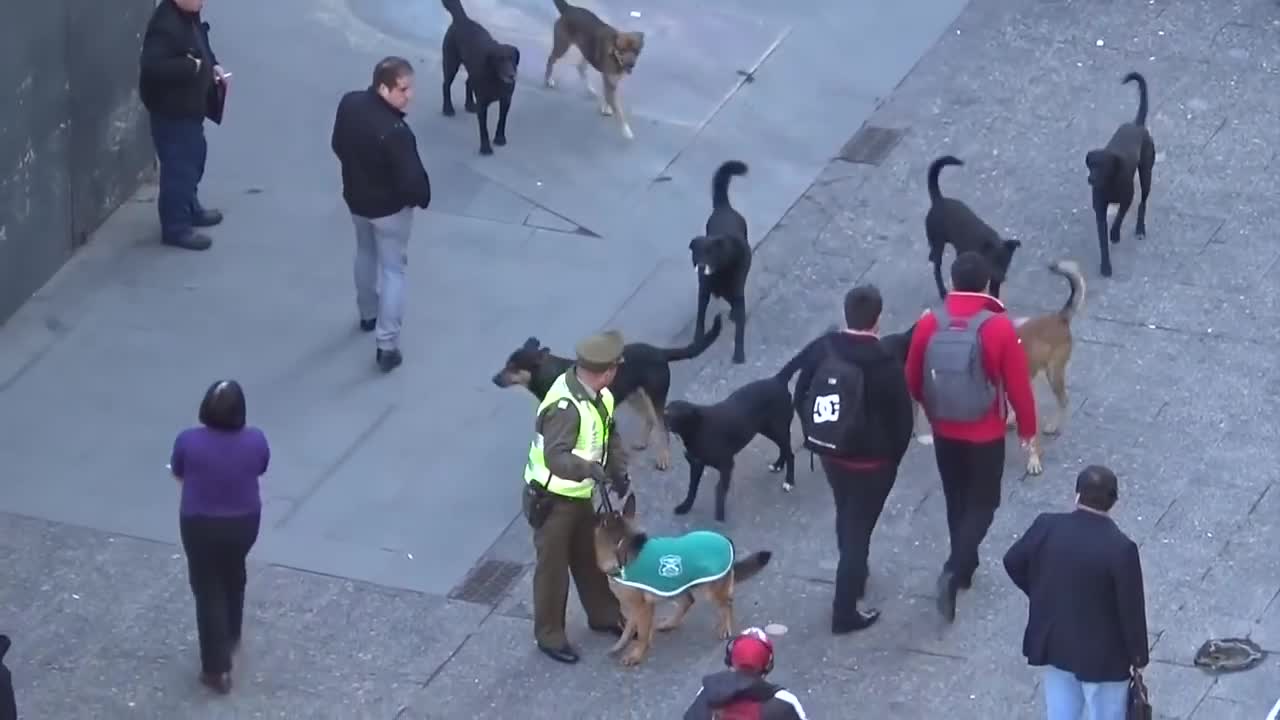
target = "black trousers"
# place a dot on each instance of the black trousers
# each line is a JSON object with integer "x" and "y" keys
{"x": 859, "y": 495}
{"x": 216, "y": 549}
{"x": 971, "y": 475}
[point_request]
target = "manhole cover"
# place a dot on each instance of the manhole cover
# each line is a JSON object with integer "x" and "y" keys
{"x": 871, "y": 145}
{"x": 488, "y": 582}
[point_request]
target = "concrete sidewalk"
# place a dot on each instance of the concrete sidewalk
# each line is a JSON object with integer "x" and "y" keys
{"x": 407, "y": 481}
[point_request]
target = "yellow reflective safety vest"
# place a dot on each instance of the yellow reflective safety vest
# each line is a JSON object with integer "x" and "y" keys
{"x": 593, "y": 440}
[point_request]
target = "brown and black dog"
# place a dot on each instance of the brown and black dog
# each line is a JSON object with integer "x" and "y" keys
{"x": 610, "y": 51}
{"x": 643, "y": 379}
{"x": 1047, "y": 341}
{"x": 618, "y": 543}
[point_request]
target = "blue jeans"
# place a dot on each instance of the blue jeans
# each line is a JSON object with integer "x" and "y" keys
{"x": 1066, "y": 698}
{"x": 382, "y": 251}
{"x": 182, "y": 150}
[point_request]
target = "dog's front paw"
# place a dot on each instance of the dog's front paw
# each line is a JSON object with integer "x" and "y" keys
{"x": 683, "y": 508}
{"x": 776, "y": 466}
{"x": 605, "y": 109}
{"x": 1141, "y": 234}
{"x": 448, "y": 111}
{"x": 486, "y": 150}
{"x": 723, "y": 631}
{"x": 550, "y": 83}
{"x": 739, "y": 358}
{"x": 1105, "y": 270}
{"x": 499, "y": 140}
{"x": 634, "y": 656}
{"x": 1051, "y": 428}
{"x": 626, "y": 132}
{"x": 1033, "y": 464}
{"x": 788, "y": 486}
{"x": 666, "y": 625}
{"x": 663, "y": 461}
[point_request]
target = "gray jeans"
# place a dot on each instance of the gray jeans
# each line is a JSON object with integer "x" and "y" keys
{"x": 382, "y": 251}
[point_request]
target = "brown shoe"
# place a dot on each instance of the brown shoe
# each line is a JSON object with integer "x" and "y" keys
{"x": 217, "y": 682}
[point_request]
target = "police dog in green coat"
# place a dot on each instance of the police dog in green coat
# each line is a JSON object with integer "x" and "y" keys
{"x": 644, "y": 571}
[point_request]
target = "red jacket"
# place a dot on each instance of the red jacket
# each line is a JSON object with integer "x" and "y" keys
{"x": 1005, "y": 363}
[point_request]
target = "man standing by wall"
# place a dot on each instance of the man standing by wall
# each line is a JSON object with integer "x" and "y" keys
{"x": 1087, "y": 624}
{"x": 965, "y": 358}
{"x": 856, "y": 414}
{"x": 178, "y": 87}
{"x": 382, "y": 181}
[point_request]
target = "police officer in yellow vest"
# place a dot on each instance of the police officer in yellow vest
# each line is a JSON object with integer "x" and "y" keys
{"x": 573, "y": 451}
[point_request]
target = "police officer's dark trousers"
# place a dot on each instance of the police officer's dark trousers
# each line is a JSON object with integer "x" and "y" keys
{"x": 971, "y": 474}
{"x": 860, "y": 492}
{"x": 565, "y": 545}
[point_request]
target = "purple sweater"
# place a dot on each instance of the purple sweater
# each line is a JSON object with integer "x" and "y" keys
{"x": 220, "y": 470}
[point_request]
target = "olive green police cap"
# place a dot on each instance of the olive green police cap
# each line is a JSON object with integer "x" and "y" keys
{"x": 600, "y": 351}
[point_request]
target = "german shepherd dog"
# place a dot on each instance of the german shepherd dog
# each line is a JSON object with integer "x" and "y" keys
{"x": 612, "y": 52}
{"x": 643, "y": 379}
{"x": 617, "y": 543}
{"x": 1047, "y": 340}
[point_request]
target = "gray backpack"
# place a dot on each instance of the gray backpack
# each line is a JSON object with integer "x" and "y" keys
{"x": 956, "y": 386}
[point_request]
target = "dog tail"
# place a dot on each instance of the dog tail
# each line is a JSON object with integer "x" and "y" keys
{"x": 720, "y": 182}
{"x": 1070, "y": 270}
{"x": 695, "y": 348}
{"x": 749, "y": 566}
{"x": 562, "y": 7}
{"x": 1141, "y": 119}
{"x": 455, "y": 9}
{"x": 935, "y": 168}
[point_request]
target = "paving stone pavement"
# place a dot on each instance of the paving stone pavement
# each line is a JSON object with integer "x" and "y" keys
{"x": 1173, "y": 385}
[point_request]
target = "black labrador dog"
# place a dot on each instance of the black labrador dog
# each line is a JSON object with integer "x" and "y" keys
{"x": 714, "y": 434}
{"x": 950, "y": 221}
{"x": 723, "y": 258}
{"x": 1111, "y": 174}
{"x": 491, "y": 72}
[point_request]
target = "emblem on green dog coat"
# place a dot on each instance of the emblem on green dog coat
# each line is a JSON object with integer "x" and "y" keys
{"x": 670, "y": 566}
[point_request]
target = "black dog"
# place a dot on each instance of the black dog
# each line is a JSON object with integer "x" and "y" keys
{"x": 643, "y": 379}
{"x": 1111, "y": 173}
{"x": 723, "y": 257}
{"x": 951, "y": 221}
{"x": 491, "y": 72}
{"x": 714, "y": 434}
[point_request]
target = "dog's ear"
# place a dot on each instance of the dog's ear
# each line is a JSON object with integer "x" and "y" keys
{"x": 1095, "y": 158}
{"x": 629, "y": 507}
{"x": 543, "y": 354}
{"x": 633, "y": 41}
{"x": 515, "y": 54}
{"x": 1011, "y": 245}
{"x": 531, "y": 344}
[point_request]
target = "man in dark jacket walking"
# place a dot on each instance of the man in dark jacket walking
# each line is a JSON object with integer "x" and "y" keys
{"x": 178, "y": 85}
{"x": 855, "y": 411}
{"x": 741, "y": 692}
{"x": 382, "y": 181}
{"x": 1087, "y": 622}
{"x": 8, "y": 704}
{"x": 965, "y": 403}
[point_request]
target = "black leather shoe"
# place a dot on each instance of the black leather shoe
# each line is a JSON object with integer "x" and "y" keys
{"x": 564, "y": 654}
{"x": 206, "y": 218}
{"x": 388, "y": 360}
{"x": 947, "y": 588}
{"x": 189, "y": 240}
{"x": 861, "y": 620}
{"x": 369, "y": 324}
{"x": 614, "y": 630}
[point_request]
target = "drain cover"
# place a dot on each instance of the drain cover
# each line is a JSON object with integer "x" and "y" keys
{"x": 488, "y": 582}
{"x": 871, "y": 145}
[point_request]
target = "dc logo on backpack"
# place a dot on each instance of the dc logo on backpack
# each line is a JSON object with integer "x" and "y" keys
{"x": 826, "y": 408}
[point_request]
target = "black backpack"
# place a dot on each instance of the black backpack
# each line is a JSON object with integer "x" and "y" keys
{"x": 833, "y": 412}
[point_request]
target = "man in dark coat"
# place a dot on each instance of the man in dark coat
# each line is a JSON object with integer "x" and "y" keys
{"x": 1087, "y": 624}
{"x": 180, "y": 86}
{"x": 8, "y": 705}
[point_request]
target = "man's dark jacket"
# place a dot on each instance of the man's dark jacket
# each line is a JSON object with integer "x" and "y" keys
{"x": 888, "y": 405}
{"x": 382, "y": 172}
{"x": 728, "y": 686}
{"x": 1088, "y": 612}
{"x": 8, "y": 706}
{"x": 169, "y": 83}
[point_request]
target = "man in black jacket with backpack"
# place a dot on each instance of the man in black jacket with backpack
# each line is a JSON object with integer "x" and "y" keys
{"x": 856, "y": 414}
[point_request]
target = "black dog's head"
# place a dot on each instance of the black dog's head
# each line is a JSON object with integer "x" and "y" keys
{"x": 898, "y": 344}
{"x": 711, "y": 253}
{"x": 504, "y": 60}
{"x": 1102, "y": 167}
{"x": 522, "y": 364}
{"x": 1000, "y": 255}
{"x": 682, "y": 418}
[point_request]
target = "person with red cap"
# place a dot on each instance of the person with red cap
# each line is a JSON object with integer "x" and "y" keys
{"x": 741, "y": 692}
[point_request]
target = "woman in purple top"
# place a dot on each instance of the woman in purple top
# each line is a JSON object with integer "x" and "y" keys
{"x": 218, "y": 464}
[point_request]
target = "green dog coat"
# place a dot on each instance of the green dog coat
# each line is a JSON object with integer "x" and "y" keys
{"x": 669, "y": 566}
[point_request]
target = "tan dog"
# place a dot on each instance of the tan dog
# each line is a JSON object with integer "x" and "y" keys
{"x": 1047, "y": 341}
{"x": 610, "y": 51}
{"x": 644, "y": 571}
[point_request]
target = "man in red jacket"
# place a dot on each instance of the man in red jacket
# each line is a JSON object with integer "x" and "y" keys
{"x": 965, "y": 358}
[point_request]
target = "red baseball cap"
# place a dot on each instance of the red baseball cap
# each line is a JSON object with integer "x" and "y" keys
{"x": 752, "y": 650}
